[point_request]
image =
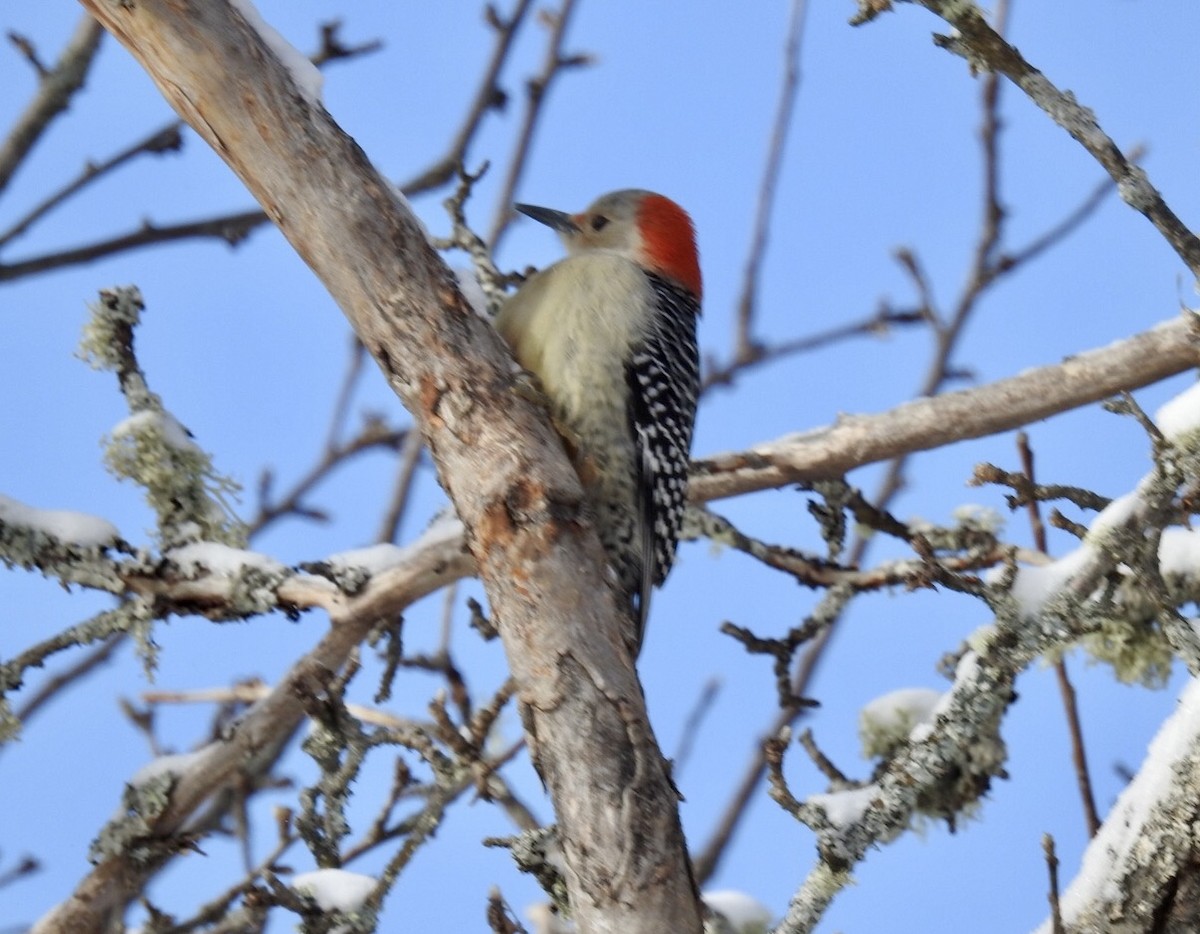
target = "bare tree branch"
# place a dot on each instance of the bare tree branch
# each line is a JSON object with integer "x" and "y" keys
{"x": 745, "y": 345}
{"x": 877, "y": 325}
{"x": 984, "y": 48}
{"x": 1066, "y": 689}
{"x": 988, "y": 265}
{"x": 855, "y": 441}
{"x": 68, "y": 676}
{"x": 406, "y": 471}
{"x": 489, "y": 96}
{"x": 1068, "y": 224}
{"x": 58, "y": 86}
{"x": 536, "y": 91}
{"x": 374, "y": 436}
{"x": 164, "y": 139}
{"x": 232, "y": 228}
{"x": 235, "y": 227}
{"x": 928, "y": 423}
{"x": 114, "y": 880}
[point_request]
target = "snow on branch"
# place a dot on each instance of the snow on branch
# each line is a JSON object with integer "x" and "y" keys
{"x": 954, "y": 748}
{"x": 1139, "y": 846}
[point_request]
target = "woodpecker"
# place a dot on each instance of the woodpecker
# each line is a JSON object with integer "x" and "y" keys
{"x": 610, "y": 332}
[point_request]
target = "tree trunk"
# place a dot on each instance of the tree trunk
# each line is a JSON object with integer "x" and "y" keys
{"x": 627, "y": 866}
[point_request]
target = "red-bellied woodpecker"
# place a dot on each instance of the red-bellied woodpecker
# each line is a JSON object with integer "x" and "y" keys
{"x": 610, "y": 332}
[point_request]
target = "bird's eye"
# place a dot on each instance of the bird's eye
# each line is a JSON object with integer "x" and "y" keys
{"x": 599, "y": 222}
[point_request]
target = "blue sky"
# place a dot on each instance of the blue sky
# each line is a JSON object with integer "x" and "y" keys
{"x": 247, "y": 350}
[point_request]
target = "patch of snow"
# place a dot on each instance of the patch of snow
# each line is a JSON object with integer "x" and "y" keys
{"x": 1180, "y": 416}
{"x": 1179, "y": 552}
{"x": 372, "y": 560}
{"x": 305, "y": 74}
{"x": 335, "y": 889}
{"x": 1109, "y": 852}
{"x": 975, "y": 516}
{"x": 173, "y": 765}
{"x": 468, "y": 284}
{"x": 741, "y": 910}
{"x": 375, "y": 559}
{"x": 173, "y": 434}
{"x": 222, "y": 560}
{"x": 1112, "y": 516}
{"x": 445, "y": 525}
{"x": 845, "y": 807}
{"x": 70, "y": 528}
{"x": 745, "y": 914}
{"x": 894, "y": 718}
{"x": 901, "y": 709}
{"x": 1035, "y": 586}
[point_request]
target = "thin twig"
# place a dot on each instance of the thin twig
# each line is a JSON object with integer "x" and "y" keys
{"x": 984, "y": 47}
{"x": 92, "y": 660}
{"x": 232, "y": 228}
{"x": 52, "y": 98}
{"x": 691, "y": 726}
{"x": 877, "y": 325}
{"x": 1025, "y": 492}
{"x": 26, "y": 866}
{"x": 341, "y": 406}
{"x": 816, "y": 572}
{"x": 406, "y": 472}
{"x": 500, "y": 917}
{"x": 168, "y": 138}
{"x": 1066, "y": 689}
{"x": 489, "y": 96}
{"x": 987, "y": 266}
{"x": 537, "y": 90}
{"x": 491, "y": 280}
{"x": 374, "y": 435}
{"x": 836, "y": 777}
{"x": 744, "y": 342}
{"x": 1068, "y": 224}
{"x": 249, "y": 692}
{"x": 1052, "y": 869}
{"x": 28, "y": 50}
{"x": 446, "y": 631}
{"x": 333, "y": 49}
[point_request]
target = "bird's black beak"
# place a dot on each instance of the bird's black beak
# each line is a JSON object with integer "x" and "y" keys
{"x": 556, "y": 220}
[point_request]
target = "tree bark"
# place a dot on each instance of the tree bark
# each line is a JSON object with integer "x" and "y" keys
{"x": 542, "y": 566}
{"x": 1141, "y": 872}
{"x": 935, "y": 421}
